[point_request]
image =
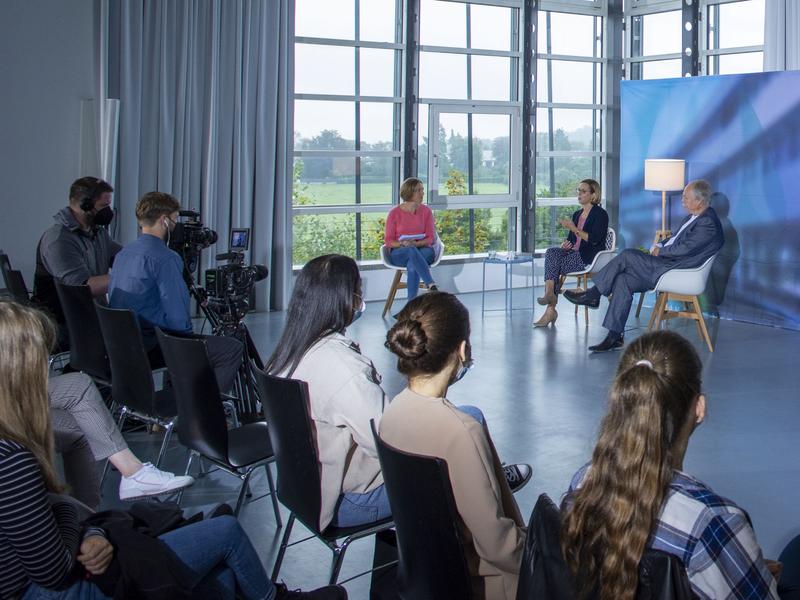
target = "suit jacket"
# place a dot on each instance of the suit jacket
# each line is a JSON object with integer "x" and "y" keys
{"x": 695, "y": 244}
{"x": 491, "y": 525}
{"x": 596, "y": 226}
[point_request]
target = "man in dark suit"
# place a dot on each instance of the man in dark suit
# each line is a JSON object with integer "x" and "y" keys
{"x": 698, "y": 238}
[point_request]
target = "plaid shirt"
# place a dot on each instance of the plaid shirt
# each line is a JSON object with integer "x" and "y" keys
{"x": 713, "y": 537}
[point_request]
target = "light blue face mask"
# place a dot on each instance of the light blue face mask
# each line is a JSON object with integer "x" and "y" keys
{"x": 465, "y": 368}
{"x": 359, "y": 311}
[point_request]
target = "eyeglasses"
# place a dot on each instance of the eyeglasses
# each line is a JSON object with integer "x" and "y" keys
{"x": 583, "y": 191}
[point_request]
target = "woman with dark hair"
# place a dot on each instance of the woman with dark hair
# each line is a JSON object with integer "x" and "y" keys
{"x": 410, "y": 234}
{"x": 634, "y": 495}
{"x": 431, "y": 341}
{"x": 45, "y": 552}
{"x": 587, "y": 236}
{"x": 343, "y": 384}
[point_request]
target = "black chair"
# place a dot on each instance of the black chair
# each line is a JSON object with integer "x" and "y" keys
{"x": 131, "y": 377}
{"x": 286, "y": 404}
{"x": 13, "y": 281}
{"x": 431, "y": 549}
{"x": 87, "y": 348}
{"x": 544, "y": 572}
{"x": 203, "y": 428}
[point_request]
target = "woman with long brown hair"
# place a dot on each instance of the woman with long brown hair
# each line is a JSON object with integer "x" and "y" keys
{"x": 634, "y": 493}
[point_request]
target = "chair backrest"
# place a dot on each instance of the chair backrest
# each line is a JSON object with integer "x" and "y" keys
{"x": 202, "y": 426}
{"x": 15, "y": 286}
{"x": 87, "y": 348}
{"x": 131, "y": 375}
{"x": 287, "y": 410}
{"x": 691, "y": 282}
{"x": 611, "y": 239}
{"x": 544, "y": 572}
{"x": 430, "y": 547}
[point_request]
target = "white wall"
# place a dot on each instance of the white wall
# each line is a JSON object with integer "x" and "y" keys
{"x": 47, "y": 64}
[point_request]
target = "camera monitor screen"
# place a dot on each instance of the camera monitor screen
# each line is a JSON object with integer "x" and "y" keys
{"x": 240, "y": 239}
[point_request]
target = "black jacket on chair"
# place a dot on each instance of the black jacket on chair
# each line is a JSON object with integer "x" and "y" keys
{"x": 596, "y": 226}
{"x": 544, "y": 572}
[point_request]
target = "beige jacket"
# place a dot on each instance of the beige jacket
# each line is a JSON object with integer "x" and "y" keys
{"x": 493, "y": 529}
{"x": 345, "y": 394}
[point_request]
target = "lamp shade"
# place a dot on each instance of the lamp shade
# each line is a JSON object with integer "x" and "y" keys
{"x": 664, "y": 174}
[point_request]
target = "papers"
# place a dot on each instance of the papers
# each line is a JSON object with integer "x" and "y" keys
{"x": 412, "y": 236}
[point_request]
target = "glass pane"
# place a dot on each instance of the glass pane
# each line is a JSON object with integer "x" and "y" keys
{"x": 547, "y": 230}
{"x": 572, "y": 81}
{"x": 373, "y": 226}
{"x": 573, "y": 129}
{"x": 750, "y": 62}
{"x": 377, "y": 72}
{"x": 740, "y": 24}
{"x": 453, "y": 155}
{"x": 315, "y": 235}
{"x": 442, "y": 75}
{"x": 376, "y": 179}
{"x": 434, "y": 14}
{"x": 559, "y": 177}
{"x": 324, "y": 125}
{"x": 323, "y": 18}
{"x": 324, "y": 69}
{"x": 491, "y": 27}
{"x": 468, "y": 230}
{"x": 324, "y": 181}
{"x": 377, "y": 20}
{"x": 661, "y": 33}
{"x": 422, "y": 142}
{"x": 569, "y": 34}
{"x": 491, "y": 78}
{"x": 377, "y": 125}
{"x": 661, "y": 69}
{"x": 491, "y": 151}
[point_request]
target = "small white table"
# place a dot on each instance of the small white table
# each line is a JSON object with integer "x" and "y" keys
{"x": 508, "y": 260}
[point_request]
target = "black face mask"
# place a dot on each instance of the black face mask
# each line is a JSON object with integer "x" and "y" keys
{"x": 103, "y": 217}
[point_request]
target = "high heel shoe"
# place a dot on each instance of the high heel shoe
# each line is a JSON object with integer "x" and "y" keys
{"x": 547, "y": 318}
{"x": 547, "y": 299}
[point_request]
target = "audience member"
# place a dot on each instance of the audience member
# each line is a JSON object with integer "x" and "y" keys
{"x": 148, "y": 279}
{"x": 587, "y": 236}
{"x": 77, "y": 249}
{"x": 85, "y": 433}
{"x": 634, "y": 494}
{"x": 44, "y": 550}
{"x": 431, "y": 341}
{"x": 410, "y": 235}
{"x": 698, "y": 238}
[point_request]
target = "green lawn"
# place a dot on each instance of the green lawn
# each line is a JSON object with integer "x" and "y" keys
{"x": 371, "y": 193}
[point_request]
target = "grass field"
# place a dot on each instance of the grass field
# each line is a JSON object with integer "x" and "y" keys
{"x": 371, "y": 193}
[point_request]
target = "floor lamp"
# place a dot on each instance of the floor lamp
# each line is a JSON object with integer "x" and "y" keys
{"x": 663, "y": 175}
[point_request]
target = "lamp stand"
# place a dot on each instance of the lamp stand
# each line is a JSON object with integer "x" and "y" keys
{"x": 662, "y": 233}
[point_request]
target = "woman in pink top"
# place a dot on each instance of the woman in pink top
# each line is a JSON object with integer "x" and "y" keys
{"x": 587, "y": 237}
{"x": 410, "y": 234}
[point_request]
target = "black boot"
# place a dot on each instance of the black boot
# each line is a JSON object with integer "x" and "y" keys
{"x": 613, "y": 341}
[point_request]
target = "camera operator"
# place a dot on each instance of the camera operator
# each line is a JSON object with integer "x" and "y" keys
{"x": 148, "y": 279}
{"x": 77, "y": 249}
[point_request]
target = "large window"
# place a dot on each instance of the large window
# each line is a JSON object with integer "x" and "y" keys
{"x": 569, "y": 112}
{"x": 347, "y": 104}
{"x": 734, "y": 37}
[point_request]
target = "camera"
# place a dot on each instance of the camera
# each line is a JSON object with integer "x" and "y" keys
{"x": 229, "y": 287}
{"x": 190, "y": 237}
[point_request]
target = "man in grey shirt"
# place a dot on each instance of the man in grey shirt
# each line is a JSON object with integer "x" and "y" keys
{"x": 77, "y": 249}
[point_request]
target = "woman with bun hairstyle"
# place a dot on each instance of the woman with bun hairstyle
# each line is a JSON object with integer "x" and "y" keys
{"x": 344, "y": 388}
{"x": 431, "y": 341}
{"x": 634, "y": 493}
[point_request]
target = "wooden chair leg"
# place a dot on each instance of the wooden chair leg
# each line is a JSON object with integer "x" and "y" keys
{"x": 585, "y": 308}
{"x": 658, "y": 311}
{"x": 392, "y": 292}
{"x": 702, "y": 322}
{"x": 641, "y": 301}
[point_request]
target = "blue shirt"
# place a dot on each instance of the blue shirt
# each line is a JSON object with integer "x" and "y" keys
{"x": 147, "y": 278}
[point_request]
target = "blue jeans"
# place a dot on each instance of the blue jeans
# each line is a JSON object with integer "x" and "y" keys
{"x": 474, "y": 412}
{"x": 216, "y": 550}
{"x": 359, "y": 509}
{"x": 417, "y": 261}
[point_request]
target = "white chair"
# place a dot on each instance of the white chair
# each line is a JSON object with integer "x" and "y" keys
{"x": 683, "y": 285}
{"x": 397, "y": 284}
{"x": 601, "y": 259}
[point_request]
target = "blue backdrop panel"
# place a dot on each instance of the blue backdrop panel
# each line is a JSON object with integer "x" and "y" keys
{"x": 742, "y": 134}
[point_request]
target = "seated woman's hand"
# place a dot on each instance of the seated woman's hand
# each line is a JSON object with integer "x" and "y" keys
{"x": 566, "y": 245}
{"x": 95, "y": 554}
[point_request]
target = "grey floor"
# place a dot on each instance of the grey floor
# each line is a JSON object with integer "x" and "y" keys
{"x": 543, "y": 395}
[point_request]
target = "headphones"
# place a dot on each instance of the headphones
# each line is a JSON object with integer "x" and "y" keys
{"x": 87, "y": 204}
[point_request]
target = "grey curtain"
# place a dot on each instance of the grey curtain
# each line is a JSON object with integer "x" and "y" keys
{"x": 782, "y": 35}
{"x": 204, "y": 113}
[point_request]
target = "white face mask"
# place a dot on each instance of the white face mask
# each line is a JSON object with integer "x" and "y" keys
{"x": 359, "y": 311}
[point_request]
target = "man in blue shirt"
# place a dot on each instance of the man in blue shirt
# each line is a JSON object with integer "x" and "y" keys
{"x": 147, "y": 278}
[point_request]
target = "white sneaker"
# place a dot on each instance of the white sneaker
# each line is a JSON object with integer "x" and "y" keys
{"x": 149, "y": 481}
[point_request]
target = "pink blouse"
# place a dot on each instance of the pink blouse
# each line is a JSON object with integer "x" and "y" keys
{"x": 400, "y": 222}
